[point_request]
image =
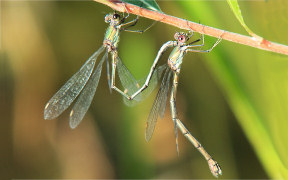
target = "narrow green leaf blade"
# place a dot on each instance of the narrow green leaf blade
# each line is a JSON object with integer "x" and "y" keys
{"x": 147, "y": 4}
{"x": 237, "y": 12}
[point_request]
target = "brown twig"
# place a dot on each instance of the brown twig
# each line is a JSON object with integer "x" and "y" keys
{"x": 183, "y": 24}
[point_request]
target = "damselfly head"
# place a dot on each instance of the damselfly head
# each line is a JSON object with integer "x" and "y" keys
{"x": 181, "y": 37}
{"x": 113, "y": 18}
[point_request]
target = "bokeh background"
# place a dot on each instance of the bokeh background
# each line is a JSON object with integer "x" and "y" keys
{"x": 234, "y": 100}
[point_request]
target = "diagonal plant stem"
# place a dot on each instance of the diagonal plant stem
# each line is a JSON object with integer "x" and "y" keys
{"x": 184, "y": 24}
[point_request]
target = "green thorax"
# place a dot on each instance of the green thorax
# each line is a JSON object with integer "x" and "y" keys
{"x": 112, "y": 37}
{"x": 175, "y": 58}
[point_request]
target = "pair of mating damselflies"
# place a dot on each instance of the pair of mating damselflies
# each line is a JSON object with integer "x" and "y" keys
{"x": 84, "y": 83}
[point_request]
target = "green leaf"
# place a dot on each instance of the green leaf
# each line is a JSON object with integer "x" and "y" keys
{"x": 237, "y": 12}
{"x": 147, "y": 4}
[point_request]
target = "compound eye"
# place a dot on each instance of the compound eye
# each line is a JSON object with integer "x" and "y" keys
{"x": 181, "y": 38}
{"x": 116, "y": 16}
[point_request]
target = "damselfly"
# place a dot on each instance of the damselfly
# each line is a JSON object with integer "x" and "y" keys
{"x": 85, "y": 83}
{"x": 172, "y": 70}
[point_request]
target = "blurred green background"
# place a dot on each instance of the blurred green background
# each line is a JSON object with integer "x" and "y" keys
{"x": 234, "y": 100}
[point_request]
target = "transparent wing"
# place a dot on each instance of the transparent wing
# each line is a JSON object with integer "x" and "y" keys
{"x": 128, "y": 82}
{"x": 153, "y": 115}
{"x": 71, "y": 89}
{"x": 163, "y": 102}
{"x": 85, "y": 98}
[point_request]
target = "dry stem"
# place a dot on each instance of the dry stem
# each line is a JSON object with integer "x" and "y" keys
{"x": 183, "y": 24}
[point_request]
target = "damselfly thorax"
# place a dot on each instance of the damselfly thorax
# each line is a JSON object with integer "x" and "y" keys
{"x": 176, "y": 58}
{"x": 111, "y": 38}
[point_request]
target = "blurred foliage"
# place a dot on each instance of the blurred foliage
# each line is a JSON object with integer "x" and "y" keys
{"x": 44, "y": 43}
